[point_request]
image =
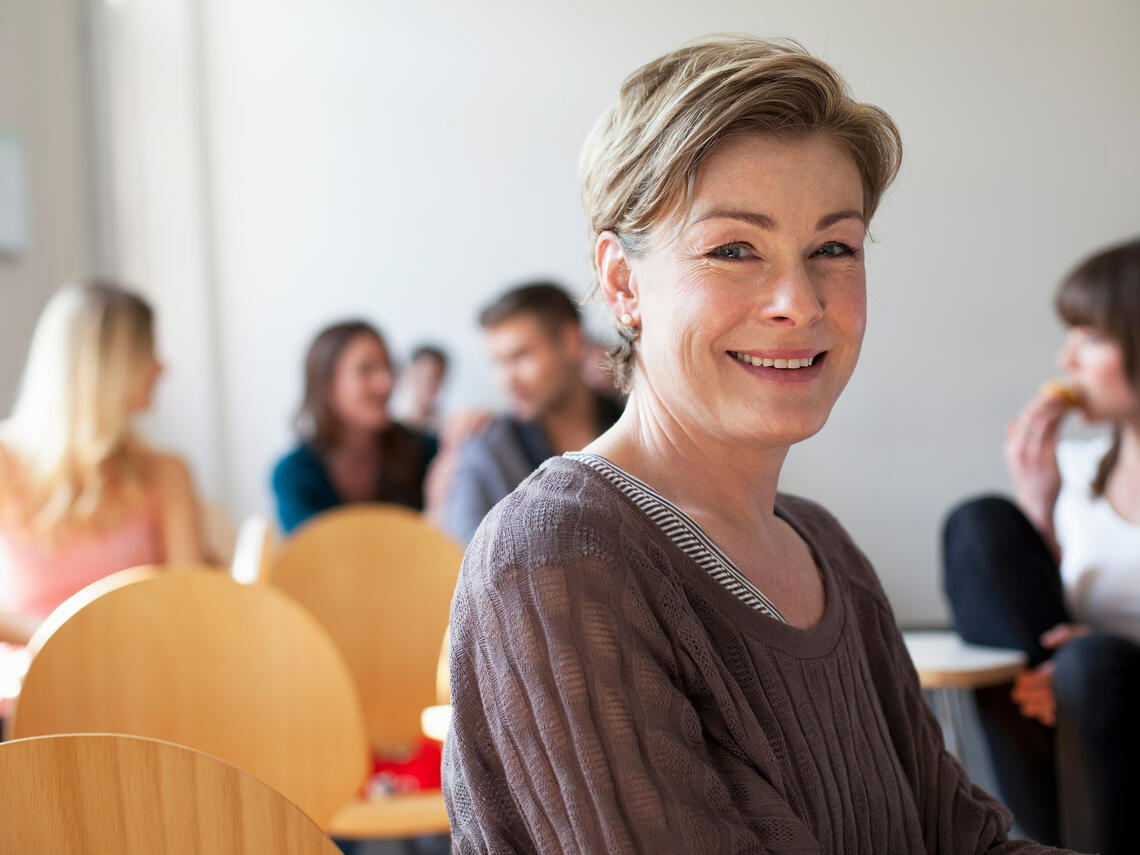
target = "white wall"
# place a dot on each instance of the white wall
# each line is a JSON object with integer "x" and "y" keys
{"x": 42, "y": 60}
{"x": 405, "y": 161}
{"x": 153, "y": 192}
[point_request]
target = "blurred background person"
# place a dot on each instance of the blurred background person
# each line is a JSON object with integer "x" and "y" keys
{"x": 597, "y": 370}
{"x": 81, "y": 494}
{"x": 1064, "y": 742}
{"x": 419, "y": 389}
{"x": 534, "y": 335}
{"x": 350, "y": 450}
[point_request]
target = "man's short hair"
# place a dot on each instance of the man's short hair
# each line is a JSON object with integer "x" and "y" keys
{"x": 431, "y": 351}
{"x": 547, "y": 302}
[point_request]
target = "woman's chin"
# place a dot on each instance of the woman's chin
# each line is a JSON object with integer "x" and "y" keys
{"x": 786, "y": 429}
{"x": 371, "y": 423}
{"x": 784, "y": 435}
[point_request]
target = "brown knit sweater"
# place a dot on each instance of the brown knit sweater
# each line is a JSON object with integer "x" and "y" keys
{"x": 612, "y": 697}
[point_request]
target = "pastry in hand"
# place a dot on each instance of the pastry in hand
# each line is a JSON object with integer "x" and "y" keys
{"x": 1063, "y": 391}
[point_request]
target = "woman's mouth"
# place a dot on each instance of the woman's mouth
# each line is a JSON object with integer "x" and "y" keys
{"x": 782, "y": 361}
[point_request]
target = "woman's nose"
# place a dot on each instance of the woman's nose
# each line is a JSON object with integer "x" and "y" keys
{"x": 792, "y": 300}
{"x": 1067, "y": 355}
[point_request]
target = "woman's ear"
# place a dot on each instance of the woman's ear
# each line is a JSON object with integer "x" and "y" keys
{"x": 616, "y": 279}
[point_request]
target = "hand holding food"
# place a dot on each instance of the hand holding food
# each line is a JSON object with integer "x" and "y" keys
{"x": 1031, "y": 452}
{"x": 1061, "y": 390}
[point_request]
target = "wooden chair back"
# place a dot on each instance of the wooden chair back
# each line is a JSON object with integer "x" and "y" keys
{"x": 238, "y": 671}
{"x": 89, "y": 794}
{"x": 379, "y": 578}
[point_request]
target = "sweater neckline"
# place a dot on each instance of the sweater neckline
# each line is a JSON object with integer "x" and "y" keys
{"x": 684, "y": 531}
{"x": 813, "y": 641}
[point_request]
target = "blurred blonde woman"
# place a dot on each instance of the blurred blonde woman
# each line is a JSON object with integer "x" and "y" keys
{"x": 81, "y": 495}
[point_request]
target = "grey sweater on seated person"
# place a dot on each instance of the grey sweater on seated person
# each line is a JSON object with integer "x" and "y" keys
{"x": 611, "y": 696}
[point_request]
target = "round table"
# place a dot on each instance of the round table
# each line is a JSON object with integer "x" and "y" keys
{"x": 945, "y": 664}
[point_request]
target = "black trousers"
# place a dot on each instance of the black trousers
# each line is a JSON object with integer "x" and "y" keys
{"x": 1074, "y": 785}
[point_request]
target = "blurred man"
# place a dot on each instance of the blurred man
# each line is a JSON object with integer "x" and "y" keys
{"x": 535, "y": 338}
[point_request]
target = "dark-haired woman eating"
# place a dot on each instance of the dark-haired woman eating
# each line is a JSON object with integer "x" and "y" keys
{"x": 350, "y": 449}
{"x": 1064, "y": 742}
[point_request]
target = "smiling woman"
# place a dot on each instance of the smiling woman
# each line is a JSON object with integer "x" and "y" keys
{"x": 653, "y": 650}
{"x": 350, "y": 449}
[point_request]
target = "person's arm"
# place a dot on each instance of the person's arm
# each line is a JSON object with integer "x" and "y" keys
{"x": 17, "y": 628}
{"x": 462, "y": 491}
{"x": 180, "y": 515}
{"x": 563, "y": 677}
{"x": 1031, "y": 455}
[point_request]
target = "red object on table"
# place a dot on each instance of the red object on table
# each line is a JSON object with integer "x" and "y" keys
{"x": 419, "y": 771}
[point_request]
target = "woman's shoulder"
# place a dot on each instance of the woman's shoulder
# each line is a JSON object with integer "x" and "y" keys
{"x": 164, "y": 464}
{"x": 559, "y": 503}
{"x": 299, "y": 461}
{"x": 166, "y": 473}
{"x": 564, "y": 514}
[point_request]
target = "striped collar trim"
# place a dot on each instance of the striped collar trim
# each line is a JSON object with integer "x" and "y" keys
{"x": 683, "y": 530}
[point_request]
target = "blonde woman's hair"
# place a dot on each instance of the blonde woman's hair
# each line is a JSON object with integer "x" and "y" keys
{"x": 639, "y": 164}
{"x": 70, "y": 430}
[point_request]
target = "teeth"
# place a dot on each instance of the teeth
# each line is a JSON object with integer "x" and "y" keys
{"x": 774, "y": 363}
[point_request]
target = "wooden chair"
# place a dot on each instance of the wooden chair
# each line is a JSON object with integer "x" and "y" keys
{"x": 109, "y": 793}
{"x": 379, "y": 578}
{"x": 238, "y": 671}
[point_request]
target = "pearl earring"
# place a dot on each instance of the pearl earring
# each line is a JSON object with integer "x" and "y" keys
{"x": 627, "y": 319}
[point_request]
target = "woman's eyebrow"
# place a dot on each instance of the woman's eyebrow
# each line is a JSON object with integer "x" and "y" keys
{"x": 763, "y": 221}
{"x": 832, "y": 219}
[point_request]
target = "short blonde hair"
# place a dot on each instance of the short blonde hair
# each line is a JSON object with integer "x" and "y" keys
{"x": 640, "y": 161}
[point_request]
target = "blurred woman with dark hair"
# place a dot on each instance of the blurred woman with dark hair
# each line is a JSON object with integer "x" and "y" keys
{"x": 350, "y": 450}
{"x": 1056, "y": 573}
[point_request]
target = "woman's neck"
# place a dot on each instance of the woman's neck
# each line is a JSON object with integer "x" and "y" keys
{"x": 707, "y": 476}
{"x": 1128, "y": 463}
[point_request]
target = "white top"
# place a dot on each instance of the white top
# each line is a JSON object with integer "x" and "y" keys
{"x": 1100, "y": 551}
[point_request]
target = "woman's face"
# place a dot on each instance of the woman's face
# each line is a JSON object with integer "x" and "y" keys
{"x": 140, "y": 395}
{"x": 1094, "y": 362}
{"x": 766, "y": 273}
{"x": 361, "y": 384}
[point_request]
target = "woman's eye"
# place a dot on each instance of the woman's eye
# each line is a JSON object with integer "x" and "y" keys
{"x": 835, "y": 249}
{"x": 733, "y": 251}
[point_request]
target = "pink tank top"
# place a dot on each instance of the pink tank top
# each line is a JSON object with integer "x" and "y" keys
{"x": 38, "y": 577}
